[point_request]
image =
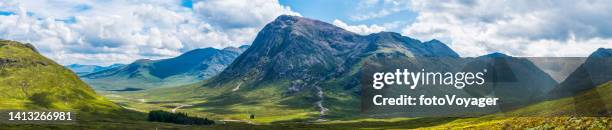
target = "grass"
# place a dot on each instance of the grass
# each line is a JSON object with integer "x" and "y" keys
{"x": 31, "y": 82}
{"x": 266, "y": 102}
{"x": 28, "y": 80}
{"x": 564, "y": 113}
{"x": 272, "y": 114}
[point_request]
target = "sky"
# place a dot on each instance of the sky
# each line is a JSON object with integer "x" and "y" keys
{"x": 104, "y": 32}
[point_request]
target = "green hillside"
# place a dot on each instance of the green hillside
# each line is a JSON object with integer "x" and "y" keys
{"x": 29, "y": 81}
{"x": 582, "y": 111}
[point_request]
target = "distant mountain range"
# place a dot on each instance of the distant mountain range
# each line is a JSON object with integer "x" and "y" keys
{"x": 82, "y": 70}
{"x": 187, "y": 68}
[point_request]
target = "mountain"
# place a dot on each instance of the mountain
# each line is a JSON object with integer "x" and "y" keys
{"x": 302, "y": 68}
{"x": 82, "y": 70}
{"x": 187, "y": 68}
{"x": 292, "y": 47}
{"x": 30, "y": 81}
{"x": 313, "y": 65}
{"x": 515, "y": 80}
{"x": 594, "y": 71}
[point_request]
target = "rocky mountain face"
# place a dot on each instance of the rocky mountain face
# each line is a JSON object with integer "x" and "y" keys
{"x": 293, "y": 47}
{"x": 187, "y": 68}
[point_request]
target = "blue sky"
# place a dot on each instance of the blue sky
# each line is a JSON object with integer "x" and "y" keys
{"x": 120, "y": 31}
{"x": 346, "y": 11}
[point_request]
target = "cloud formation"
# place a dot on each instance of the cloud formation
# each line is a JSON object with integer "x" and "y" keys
{"x": 518, "y": 27}
{"x": 360, "y": 29}
{"x": 106, "y": 32}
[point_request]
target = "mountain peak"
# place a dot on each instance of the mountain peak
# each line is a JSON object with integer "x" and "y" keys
{"x": 440, "y": 49}
{"x": 384, "y": 33}
{"x": 236, "y": 49}
{"x": 602, "y": 52}
{"x": 434, "y": 41}
{"x": 496, "y": 55}
{"x": 285, "y": 17}
{"x": 199, "y": 51}
{"x": 286, "y": 20}
{"x": 74, "y": 65}
{"x": 302, "y": 26}
{"x": 142, "y": 60}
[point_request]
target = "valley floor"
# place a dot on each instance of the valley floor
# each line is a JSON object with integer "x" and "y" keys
{"x": 296, "y": 119}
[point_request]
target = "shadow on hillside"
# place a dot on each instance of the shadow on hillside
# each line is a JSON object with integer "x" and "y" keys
{"x": 403, "y": 124}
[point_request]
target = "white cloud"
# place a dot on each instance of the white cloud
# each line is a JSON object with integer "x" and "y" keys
{"x": 106, "y": 32}
{"x": 519, "y": 28}
{"x": 240, "y": 13}
{"x": 360, "y": 29}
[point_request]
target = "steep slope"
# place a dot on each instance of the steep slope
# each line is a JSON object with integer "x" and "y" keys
{"x": 596, "y": 70}
{"x": 297, "y": 48}
{"x": 515, "y": 80}
{"x": 562, "y": 113}
{"x": 187, "y": 68}
{"x": 31, "y": 81}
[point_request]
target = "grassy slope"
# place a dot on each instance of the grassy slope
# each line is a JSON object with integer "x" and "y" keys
{"x": 29, "y": 81}
{"x": 267, "y": 101}
{"x": 27, "y": 74}
{"x": 558, "y": 114}
{"x": 221, "y": 103}
{"x": 554, "y": 114}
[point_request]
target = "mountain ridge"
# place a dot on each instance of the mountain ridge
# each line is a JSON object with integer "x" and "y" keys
{"x": 192, "y": 66}
{"x": 594, "y": 71}
{"x": 82, "y": 70}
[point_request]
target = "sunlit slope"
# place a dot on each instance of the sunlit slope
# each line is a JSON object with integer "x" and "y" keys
{"x": 30, "y": 81}
{"x": 583, "y": 111}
